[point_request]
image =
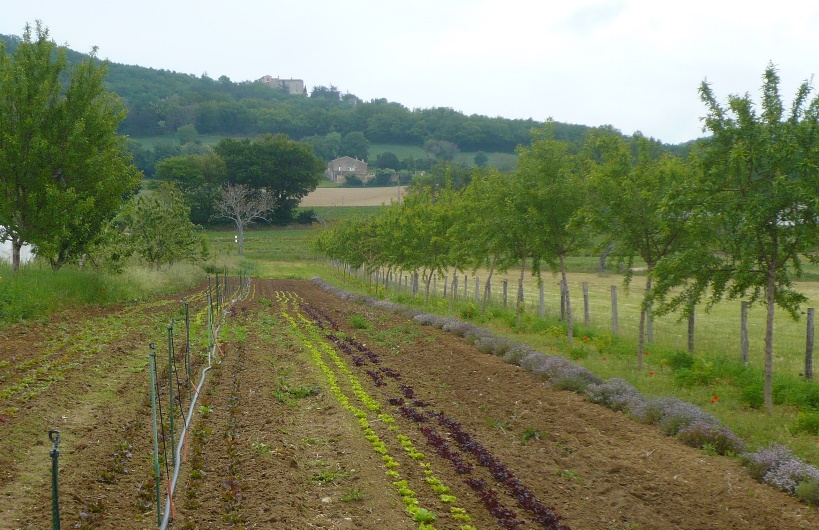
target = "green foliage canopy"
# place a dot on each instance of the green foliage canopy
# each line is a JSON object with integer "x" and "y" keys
{"x": 288, "y": 170}
{"x": 64, "y": 172}
{"x": 754, "y": 207}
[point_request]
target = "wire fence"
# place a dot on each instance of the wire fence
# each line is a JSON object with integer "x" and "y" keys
{"x": 603, "y": 304}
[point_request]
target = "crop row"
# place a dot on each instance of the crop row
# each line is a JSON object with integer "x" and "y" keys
{"x": 320, "y": 350}
{"x": 412, "y": 408}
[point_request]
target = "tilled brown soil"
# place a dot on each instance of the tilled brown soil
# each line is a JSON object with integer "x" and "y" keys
{"x": 275, "y": 442}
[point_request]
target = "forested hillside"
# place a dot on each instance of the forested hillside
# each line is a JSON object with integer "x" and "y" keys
{"x": 160, "y": 102}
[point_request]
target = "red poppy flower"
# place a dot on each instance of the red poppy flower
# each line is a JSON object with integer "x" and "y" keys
{"x": 714, "y": 399}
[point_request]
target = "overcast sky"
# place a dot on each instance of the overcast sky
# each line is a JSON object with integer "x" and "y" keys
{"x": 633, "y": 64}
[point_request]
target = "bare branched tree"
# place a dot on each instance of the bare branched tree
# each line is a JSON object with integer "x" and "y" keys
{"x": 244, "y": 205}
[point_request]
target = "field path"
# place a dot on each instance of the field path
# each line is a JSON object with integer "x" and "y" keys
{"x": 322, "y": 413}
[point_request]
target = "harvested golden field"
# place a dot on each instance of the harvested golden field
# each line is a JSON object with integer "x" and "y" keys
{"x": 352, "y": 196}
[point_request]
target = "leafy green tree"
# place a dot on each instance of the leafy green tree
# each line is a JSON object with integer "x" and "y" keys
{"x": 325, "y": 147}
{"x": 422, "y": 225}
{"x": 199, "y": 178}
{"x": 321, "y": 91}
{"x": 64, "y": 172}
{"x": 388, "y": 160}
{"x": 478, "y": 240}
{"x": 383, "y": 177}
{"x": 754, "y": 207}
{"x": 161, "y": 230}
{"x": 481, "y": 160}
{"x": 356, "y": 145}
{"x": 187, "y": 134}
{"x": 557, "y": 192}
{"x": 286, "y": 169}
{"x": 442, "y": 175}
{"x": 352, "y": 180}
{"x": 630, "y": 204}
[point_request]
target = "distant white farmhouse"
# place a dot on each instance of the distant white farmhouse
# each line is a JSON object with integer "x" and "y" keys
{"x": 346, "y": 165}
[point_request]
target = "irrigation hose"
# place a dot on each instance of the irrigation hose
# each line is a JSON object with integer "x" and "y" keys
{"x": 181, "y": 444}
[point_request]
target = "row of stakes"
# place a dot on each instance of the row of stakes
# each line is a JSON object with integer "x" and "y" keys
{"x": 215, "y": 305}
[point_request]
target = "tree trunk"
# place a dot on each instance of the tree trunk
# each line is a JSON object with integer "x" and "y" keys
{"x": 569, "y": 323}
{"x": 769, "y": 328}
{"x": 16, "y": 246}
{"x": 641, "y": 331}
{"x": 240, "y": 227}
{"x": 487, "y": 286}
{"x": 429, "y": 280}
{"x": 454, "y": 289}
{"x": 519, "y": 304}
{"x": 604, "y": 255}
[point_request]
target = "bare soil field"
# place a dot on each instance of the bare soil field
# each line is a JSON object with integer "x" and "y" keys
{"x": 322, "y": 413}
{"x": 352, "y": 196}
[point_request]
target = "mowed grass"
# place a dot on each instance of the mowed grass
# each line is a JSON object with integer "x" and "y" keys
{"x": 504, "y": 161}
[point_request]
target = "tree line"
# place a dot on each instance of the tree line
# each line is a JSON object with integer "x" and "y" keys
{"x": 734, "y": 219}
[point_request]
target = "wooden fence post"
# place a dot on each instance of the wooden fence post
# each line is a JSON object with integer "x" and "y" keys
{"x": 541, "y": 311}
{"x": 743, "y": 332}
{"x": 586, "y": 316}
{"x": 505, "y": 293}
{"x": 466, "y": 287}
{"x": 809, "y": 347}
{"x": 615, "y": 324}
{"x": 446, "y": 279}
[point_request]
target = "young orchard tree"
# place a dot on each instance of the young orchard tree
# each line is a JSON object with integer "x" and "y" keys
{"x": 518, "y": 229}
{"x": 754, "y": 207}
{"x": 556, "y": 189}
{"x": 64, "y": 171}
{"x": 629, "y": 204}
{"x": 423, "y": 223}
{"x": 243, "y": 206}
{"x": 477, "y": 240}
{"x": 161, "y": 230}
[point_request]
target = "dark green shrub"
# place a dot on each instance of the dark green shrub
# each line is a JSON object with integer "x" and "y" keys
{"x": 306, "y": 217}
{"x": 681, "y": 361}
{"x": 807, "y": 422}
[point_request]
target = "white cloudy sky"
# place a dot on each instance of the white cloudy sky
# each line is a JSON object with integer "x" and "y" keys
{"x": 634, "y": 64}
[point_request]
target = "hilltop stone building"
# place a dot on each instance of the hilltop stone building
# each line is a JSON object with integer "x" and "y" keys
{"x": 293, "y": 86}
{"x": 346, "y": 165}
